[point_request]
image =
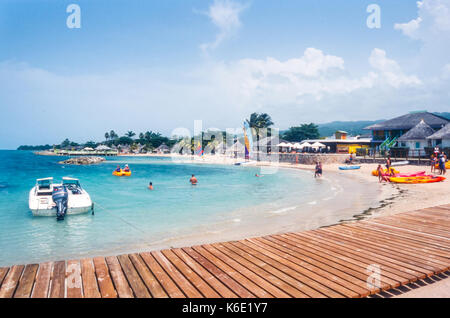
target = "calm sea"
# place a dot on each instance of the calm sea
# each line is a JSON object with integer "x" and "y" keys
{"x": 128, "y": 215}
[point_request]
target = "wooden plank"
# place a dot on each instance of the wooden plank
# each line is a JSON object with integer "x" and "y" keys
{"x": 395, "y": 269}
{"x": 190, "y": 275}
{"x": 316, "y": 242}
{"x": 152, "y": 283}
{"x": 3, "y": 272}
{"x": 339, "y": 276}
{"x": 26, "y": 282}
{"x": 120, "y": 282}
{"x": 73, "y": 279}
{"x": 224, "y": 277}
{"x": 252, "y": 280}
{"x": 169, "y": 286}
{"x": 295, "y": 274}
{"x": 11, "y": 281}
{"x": 325, "y": 278}
{"x": 90, "y": 287}
{"x": 293, "y": 288}
{"x": 57, "y": 286}
{"x": 218, "y": 286}
{"x": 412, "y": 228}
{"x": 42, "y": 283}
{"x": 136, "y": 283}
{"x": 399, "y": 242}
{"x": 104, "y": 279}
{"x": 387, "y": 250}
{"x": 404, "y": 235}
{"x": 184, "y": 284}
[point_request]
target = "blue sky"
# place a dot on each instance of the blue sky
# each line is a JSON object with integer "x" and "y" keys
{"x": 159, "y": 65}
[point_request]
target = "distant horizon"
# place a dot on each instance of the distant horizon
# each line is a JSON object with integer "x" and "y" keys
{"x": 83, "y": 68}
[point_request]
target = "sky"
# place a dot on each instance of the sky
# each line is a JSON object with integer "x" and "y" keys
{"x": 160, "y": 65}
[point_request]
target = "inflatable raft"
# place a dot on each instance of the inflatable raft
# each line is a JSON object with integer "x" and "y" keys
{"x": 121, "y": 173}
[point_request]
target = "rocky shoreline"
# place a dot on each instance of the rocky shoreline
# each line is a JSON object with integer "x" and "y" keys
{"x": 82, "y": 161}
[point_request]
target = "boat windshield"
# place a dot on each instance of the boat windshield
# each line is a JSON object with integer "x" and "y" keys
{"x": 44, "y": 183}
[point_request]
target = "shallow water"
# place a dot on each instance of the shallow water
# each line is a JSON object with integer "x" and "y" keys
{"x": 229, "y": 201}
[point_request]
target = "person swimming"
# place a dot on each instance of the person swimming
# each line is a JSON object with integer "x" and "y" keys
{"x": 193, "y": 180}
{"x": 150, "y": 186}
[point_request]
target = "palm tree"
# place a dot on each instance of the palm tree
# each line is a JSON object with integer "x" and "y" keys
{"x": 258, "y": 122}
{"x": 106, "y": 136}
{"x": 130, "y": 134}
{"x": 113, "y": 135}
{"x": 141, "y": 136}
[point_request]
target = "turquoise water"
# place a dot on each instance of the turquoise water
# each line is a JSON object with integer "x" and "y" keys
{"x": 127, "y": 214}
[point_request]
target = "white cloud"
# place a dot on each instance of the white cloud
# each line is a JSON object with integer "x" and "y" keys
{"x": 225, "y": 15}
{"x": 433, "y": 19}
{"x": 410, "y": 28}
{"x": 314, "y": 86}
{"x": 390, "y": 70}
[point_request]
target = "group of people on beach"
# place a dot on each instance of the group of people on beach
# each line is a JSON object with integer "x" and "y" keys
{"x": 438, "y": 159}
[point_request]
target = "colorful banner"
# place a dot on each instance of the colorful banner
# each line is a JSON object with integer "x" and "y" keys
{"x": 248, "y": 140}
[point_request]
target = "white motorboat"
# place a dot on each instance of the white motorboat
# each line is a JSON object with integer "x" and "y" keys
{"x": 68, "y": 197}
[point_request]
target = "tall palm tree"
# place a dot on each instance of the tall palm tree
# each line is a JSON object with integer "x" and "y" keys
{"x": 113, "y": 135}
{"x": 257, "y": 122}
{"x": 106, "y": 136}
{"x": 130, "y": 134}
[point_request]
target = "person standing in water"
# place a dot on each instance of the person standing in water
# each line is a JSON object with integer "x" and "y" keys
{"x": 150, "y": 186}
{"x": 318, "y": 170}
{"x": 193, "y": 180}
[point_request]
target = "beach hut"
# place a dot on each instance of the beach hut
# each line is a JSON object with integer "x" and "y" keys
{"x": 416, "y": 139}
{"x": 88, "y": 149}
{"x": 441, "y": 137}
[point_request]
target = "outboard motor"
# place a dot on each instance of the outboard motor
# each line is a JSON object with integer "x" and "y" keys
{"x": 60, "y": 197}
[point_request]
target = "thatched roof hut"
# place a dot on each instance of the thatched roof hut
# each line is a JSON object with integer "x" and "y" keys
{"x": 409, "y": 121}
{"x": 419, "y": 132}
{"x": 443, "y": 133}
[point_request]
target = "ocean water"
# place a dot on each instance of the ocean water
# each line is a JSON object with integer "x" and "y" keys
{"x": 130, "y": 217}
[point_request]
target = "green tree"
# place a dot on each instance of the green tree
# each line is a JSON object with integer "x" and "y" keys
{"x": 257, "y": 122}
{"x": 130, "y": 134}
{"x": 106, "y": 136}
{"x": 302, "y": 132}
{"x": 113, "y": 135}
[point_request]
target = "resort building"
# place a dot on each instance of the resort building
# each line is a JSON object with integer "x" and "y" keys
{"x": 441, "y": 138}
{"x": 390, "y": 130}
{"x": 416, "y": 139}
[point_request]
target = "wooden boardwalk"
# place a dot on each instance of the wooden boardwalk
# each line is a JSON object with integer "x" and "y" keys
{"x": 337, "y": 261}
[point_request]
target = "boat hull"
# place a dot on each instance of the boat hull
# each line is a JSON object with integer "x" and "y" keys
{"x": 52, "y": 212}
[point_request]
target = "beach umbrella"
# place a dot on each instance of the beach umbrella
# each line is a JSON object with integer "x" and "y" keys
{"x": 297, "y": 146}
{"x": 305, "y": 144}
{"x": 283, "y": 144}
{"x": 102, "y": 147}
{"x": 317, "y": 145}
{"x": 88, "y": 149}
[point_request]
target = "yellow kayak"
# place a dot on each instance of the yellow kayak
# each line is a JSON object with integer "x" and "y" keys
{"x": 385, "y": 171}
{"x": 447, "y": 165}
{"x": 419, "y": 179}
